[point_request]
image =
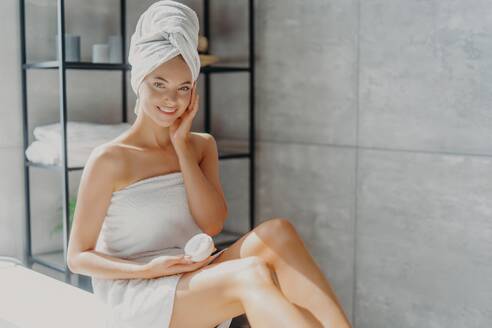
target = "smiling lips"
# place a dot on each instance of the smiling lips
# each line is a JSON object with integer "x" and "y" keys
{"x": 166, "y": 110}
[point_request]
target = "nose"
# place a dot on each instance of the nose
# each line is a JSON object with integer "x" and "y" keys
{"x": 169, "y": 98}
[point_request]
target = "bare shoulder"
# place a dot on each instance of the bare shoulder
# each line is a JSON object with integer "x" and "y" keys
{"x": 107, "y": 154}
{"x": 201, "y": 138}
{"x": 106, "y": 162}
{"x": 203, "y": 142}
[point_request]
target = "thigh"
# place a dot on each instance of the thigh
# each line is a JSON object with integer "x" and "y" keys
{"x": 258, "y": 242}
{"x": 210, "y": 295}
{"x": 250, "y": 244}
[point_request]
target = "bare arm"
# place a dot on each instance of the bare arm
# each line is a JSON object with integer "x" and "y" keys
{"x": 99, "y": 265}
{"x": 93, "y": 199}
{"x": 205, "y": 196}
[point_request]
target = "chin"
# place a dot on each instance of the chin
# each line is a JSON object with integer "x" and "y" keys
{"x": 164, "y": 122}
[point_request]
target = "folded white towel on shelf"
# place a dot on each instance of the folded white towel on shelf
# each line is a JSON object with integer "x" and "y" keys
{"x": 42, "y": 152}
{"x": 80, "y": 132}
{"x": 48, "y": 153}
{"x": 82, "y": 138}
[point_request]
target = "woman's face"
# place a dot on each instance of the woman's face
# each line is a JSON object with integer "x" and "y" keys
{"x": 167, "y": 88}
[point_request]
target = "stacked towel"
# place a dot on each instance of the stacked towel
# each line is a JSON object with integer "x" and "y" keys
{"x": 82, "y": 138}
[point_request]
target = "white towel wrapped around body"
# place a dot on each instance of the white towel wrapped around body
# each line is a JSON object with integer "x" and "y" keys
{"x": 148, "y": 219}
{"x": 166, "y": 29}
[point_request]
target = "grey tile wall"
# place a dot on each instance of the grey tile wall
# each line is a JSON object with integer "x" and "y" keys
{"x": 426, "y": 75}
{"x": 424, "y": 240}
{"x": 10, "y": 131}
{"x": 306, "y": 72}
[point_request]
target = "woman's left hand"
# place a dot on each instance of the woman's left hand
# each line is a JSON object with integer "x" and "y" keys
{"x": 179, "y": 131}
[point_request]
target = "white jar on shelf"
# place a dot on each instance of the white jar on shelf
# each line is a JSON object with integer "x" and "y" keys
{"x": 100, "y": 53}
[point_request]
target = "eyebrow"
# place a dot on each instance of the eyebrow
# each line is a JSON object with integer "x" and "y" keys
{"x": 163, "y": 79}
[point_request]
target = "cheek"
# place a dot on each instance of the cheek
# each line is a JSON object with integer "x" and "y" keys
{"x": 146, "y": 93}
{"x": 183, "y": 101}
{"x": 153, "y": 94}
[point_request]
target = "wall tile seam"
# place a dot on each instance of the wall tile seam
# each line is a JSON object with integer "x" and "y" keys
{"x": 382, "y": 149}
{"x": 356, "y": 166}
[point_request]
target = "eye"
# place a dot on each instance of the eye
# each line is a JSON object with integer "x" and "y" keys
{"x": 157, "y": 84}
{"x": 185, "y": 88}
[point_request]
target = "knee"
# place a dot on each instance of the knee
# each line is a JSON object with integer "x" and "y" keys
{"x": 278, "y": 230}
{"x": 255, "y": 273}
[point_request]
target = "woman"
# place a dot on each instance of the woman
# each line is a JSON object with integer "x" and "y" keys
{"x": 147, "y": 192}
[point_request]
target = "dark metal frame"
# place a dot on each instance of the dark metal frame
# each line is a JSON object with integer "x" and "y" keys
{"x": 62, "y": 66}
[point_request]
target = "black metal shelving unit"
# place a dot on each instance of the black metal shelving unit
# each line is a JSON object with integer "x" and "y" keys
{"x": 56, "y": 260}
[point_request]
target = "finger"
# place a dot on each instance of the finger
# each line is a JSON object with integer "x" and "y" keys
{"x": 188, "y": 118}
{"x": 187, "y": 259}
{"x": 179, "y": 261}
{"x": 179, "y": 268}
{"x": 193, "y": 106}
{"x": 193, "y": 110}
{"x": 181, "y": 265}
{"x": 174, "y": 258}
{"x": 197, "y": 102}
{"x": 193, "y": 96}
{"x": 210, "y": 258}
{"x": 180, "y": 257}
{"x": 199, "y": 263}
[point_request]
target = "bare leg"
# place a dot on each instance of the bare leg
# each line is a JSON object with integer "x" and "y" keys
{"x": 266, "y": 306}
{"x": 293, "y": 262}
{"x": 298, "y": 275}
{"x": 220, "y": 291}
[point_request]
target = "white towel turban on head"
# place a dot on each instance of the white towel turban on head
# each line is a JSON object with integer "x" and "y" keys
{"x": 166, "y": 29}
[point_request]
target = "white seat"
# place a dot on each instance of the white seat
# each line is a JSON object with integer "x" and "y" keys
{"x": 31, "y": 299}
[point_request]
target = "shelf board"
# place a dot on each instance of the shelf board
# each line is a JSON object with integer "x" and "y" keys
{"x": 228, "y": 149}
{"x": 52, "y": 166}
{"x": 224, "y": 69}
{"x": 75, "y": 65}
{"x": 54, "y": 64}
{"x": 55, "y": 260}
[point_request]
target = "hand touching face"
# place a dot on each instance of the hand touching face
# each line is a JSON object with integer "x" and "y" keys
{"x": 179, "y": 131}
